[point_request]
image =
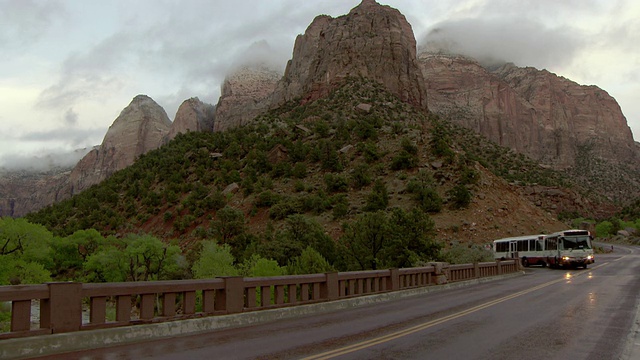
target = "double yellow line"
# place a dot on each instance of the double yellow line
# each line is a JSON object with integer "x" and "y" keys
{"x": 414, "y": 329}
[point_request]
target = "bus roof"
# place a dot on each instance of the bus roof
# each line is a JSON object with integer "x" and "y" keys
{"x": 572, "y": 232}
{"x": 524, "y": 237}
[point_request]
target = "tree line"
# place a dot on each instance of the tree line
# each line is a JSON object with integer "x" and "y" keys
{"x": 29, "y": 253}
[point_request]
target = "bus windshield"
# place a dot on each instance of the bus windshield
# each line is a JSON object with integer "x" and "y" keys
{"x": 577, "y": 242}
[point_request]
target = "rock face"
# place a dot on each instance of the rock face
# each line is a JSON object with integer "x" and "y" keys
{"x": 245, "y": 94}
{"x": 22, "y": 192}
{"x": 535, "y": 112}
{"x": 573, "y": 115}
{"x": 192, "y": 115}
{"x": 372, "y": 41}
{"x": 139, "y": 128}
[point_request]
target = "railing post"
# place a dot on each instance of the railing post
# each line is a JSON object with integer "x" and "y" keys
{"x": 331, "y": 288}
{"x": 441, "y": 270}
{"x": 62, "y": 312}
{"x": 394, "y": 280}
{"x": 499, "y": 267}
{"x": 476, "y": 270}
{"x": 231, "y": 298}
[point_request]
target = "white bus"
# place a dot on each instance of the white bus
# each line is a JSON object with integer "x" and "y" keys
{"x": 569, "y": 248}
{"x": 529, "y": 249}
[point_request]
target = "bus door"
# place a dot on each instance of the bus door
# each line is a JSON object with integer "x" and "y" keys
{"x": 513, "y": 249}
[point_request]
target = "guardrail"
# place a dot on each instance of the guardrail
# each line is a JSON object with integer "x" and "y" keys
{"x": 70, "y": 306}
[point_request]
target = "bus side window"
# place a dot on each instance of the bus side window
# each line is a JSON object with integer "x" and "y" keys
{"x": 523, "y": 245}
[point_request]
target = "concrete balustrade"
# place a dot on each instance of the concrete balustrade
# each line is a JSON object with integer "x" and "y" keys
{"x": 123, "y": 304}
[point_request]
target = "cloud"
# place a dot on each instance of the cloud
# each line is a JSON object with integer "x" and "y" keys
{"x": 69, "y": 136}
{"x": 26, "y": 21}
{"x": 53, "y": 158}
{"x": 168, "y": 48}
{"x": 522, "y": 41}
{"x": 92, "y": 75}
{"x": 71, "y": 117}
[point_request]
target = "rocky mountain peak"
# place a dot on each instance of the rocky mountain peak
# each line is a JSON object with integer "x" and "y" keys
{"x": 246, "y": 92}
{"x": 141, "y": 124}
{"x": 192, "y": 115}
{"x": 140, "y": 128}
{"x": 371, "y": 41}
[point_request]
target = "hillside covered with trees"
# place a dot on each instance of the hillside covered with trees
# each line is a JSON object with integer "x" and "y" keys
{"x": 352, "y": 181}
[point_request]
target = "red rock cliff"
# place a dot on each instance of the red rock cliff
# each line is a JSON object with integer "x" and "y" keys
{"x": 372, "y": 41}
{"x": 532, "y": 111}
{"x": 140, "y": 127}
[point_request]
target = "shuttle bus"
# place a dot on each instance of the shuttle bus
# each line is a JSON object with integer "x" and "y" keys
{"x": 529, "y": 249}
{"x": 569, "y": 248}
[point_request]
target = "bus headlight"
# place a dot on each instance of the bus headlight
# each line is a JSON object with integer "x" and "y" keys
{"x": 590, "y": 257}
{"x": 565, "y": 258}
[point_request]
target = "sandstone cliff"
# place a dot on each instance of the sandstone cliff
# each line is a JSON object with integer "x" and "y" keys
{"x": 573, "y": 116}
{"x": 192, "y": 115}
{"x": 471, "y": 96}
{"x": 22, "y": 192}
{"x": 535, "y": 112}
{"x": 372, "y": 41}
{"x": 245, "y": 94}
{"x": 139, "y": 128}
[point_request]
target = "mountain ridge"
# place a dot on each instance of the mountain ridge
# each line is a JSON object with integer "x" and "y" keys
{"x": 335, "y": 49}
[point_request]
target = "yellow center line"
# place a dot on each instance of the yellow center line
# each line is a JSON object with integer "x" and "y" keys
{"x": 398, "y": 334}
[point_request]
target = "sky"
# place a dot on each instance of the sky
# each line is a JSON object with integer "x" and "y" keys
{"x": 69, "y": 67}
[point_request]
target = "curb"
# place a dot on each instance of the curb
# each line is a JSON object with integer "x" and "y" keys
{"x": 34, "y": 346}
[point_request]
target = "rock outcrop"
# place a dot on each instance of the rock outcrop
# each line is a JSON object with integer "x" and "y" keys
{"x": 139, "y": 128}
{"x": 245, "y": 94}
{"x": 372, "y": 41}
{"x": 573, "y": 116}
{"x": 534, "y": 112}
{"x": 22, "y": 192}
{"x": 192, "y": 115}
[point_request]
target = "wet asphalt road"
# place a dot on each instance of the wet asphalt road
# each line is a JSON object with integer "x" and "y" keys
{"x": 545, "y": 314}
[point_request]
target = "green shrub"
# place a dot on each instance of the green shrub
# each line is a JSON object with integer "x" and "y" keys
{"x": 469, "y": 176}
{"x": 284, "y": 208}
{"x": 365, "y": 130}
{"x": 466, "y": 254}
{"x": 299, "y": 186}
{"x": 316, "y": 203}
{"x": 335, "y": 183}
{"x": 409, "y": 146}
{"x": 428, "y": 199}
{"x": 604, "y": 229}
{"x": 370, "y": 151}
{"x": 404, "y": 160}
{"x": 281, "y": 169}
{"x": 378, "y": 198}
{"x": 309, "y": 261}
{"x": 266, "y": 199}
{"x": 299, "y": 170}
{"x": 460, "y": 197}
{"x": 340, "y": 206}
{"x": 361, "y": 176}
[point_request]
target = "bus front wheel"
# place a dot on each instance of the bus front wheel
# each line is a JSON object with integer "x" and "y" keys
{"x": 525, "y": 262}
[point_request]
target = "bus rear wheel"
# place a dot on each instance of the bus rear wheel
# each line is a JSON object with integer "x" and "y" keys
{"x": 525, "y": 262}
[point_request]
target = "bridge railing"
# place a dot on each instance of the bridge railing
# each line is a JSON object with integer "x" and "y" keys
{"x": 69, "y": 306}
